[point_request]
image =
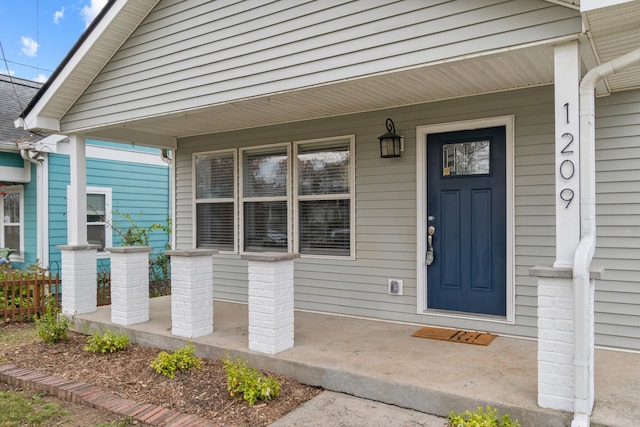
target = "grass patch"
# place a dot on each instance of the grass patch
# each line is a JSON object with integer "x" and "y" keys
{"x": 18, "y": 336}
{"x": 21, "y": 409}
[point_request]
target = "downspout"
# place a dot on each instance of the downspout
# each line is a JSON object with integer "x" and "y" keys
{"x": 168, "y": 157}
{"x": 583, "y": 358}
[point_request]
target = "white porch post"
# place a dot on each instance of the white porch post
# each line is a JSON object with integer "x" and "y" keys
{"x": 79, "y": 268}
{"x": 556, "y": 348}
{"x": 271, "y": 314}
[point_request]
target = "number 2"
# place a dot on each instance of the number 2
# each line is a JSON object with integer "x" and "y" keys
{"x": 565, "y": 150}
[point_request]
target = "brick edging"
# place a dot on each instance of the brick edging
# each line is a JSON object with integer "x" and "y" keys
{"x": 90, "y": 395}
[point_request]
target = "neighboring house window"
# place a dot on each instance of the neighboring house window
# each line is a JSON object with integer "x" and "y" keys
{"x": 11, "y": 234}
{"x": 324, "y": 197}
{"x": 265, "y": 199}
{"x": 319, "y": 224}
{"x": 99, "y": 218}
{"x": 215, "y": 200}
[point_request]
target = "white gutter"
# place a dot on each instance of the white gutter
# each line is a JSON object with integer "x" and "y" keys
{"x": 583, "y": 302}
{"x": 168, "y": 157}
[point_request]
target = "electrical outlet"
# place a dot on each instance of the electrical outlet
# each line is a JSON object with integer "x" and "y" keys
{"x": 395, "y": 287}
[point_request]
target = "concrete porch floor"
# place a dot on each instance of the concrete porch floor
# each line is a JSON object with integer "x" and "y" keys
{"x": 381, "y": 361}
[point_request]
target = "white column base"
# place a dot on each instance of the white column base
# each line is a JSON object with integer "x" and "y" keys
{"x": 191, "y": 292}
{"x": 129, "y": 284}
{"x": 79, "y": 279}
{"x": 557, "y": 367}
{"x": 556, "y": 377}
{"x": 271, "y": 312}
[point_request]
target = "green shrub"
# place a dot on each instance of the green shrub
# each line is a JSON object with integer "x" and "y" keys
{"x": 52, "y": 326}
{"x": 182, "y": 359}
{"x": 107, "y": 342}
{"x": 481, "y": 418}
{"x": 253, "y": 385}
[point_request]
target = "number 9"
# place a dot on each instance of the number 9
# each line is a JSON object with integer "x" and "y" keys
{"x": 566, "y": 195}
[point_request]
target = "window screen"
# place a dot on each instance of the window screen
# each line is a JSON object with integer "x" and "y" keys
{"x": 96, "y": 216}
{"x": 215, "y": 200}
{"x": 324, "y": 198}
{"x": 265, "y": 205}
{"x": 11, "y": 221}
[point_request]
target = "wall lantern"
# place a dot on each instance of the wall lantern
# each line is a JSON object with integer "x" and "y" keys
{"x": 390, "y": 143}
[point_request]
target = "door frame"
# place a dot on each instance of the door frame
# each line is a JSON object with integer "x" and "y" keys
{"x": 421, "y": 213}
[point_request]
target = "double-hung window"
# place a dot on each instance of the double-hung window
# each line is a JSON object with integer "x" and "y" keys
{"x": 324, "y": 197}
{"x": 283, "y": 202}
{"x": 265, "y": 199}
{"x": 99, "y": 217}
{"x": 215, "y": 196}
{"x": 12, "y": 219}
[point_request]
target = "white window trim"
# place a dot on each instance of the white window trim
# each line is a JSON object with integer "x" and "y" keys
{"x": 195, "y": 200}
{"x": 292, "y": 194}
{"x": 108, "y": 233}
{"x": 242, "y": 199}
{"x": 350, "y": 197}
{"x": 19, "y": 257}
{"x": 421, "y": 208}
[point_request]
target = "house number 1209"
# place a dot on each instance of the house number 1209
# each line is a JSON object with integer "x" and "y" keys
{"x": 567, "y": 168}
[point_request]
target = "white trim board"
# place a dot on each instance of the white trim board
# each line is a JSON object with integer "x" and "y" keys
{"x": 421, "y": 191}
{"x": 116, "y": 154}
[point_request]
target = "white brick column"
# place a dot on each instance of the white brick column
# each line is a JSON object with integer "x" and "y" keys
{"x": 79, "y": 279}
{"x": 191, "y": 292}
{"x": 556, "y": 336}
{"x": 129, "y": 284}
{"x": 271, "y": 328}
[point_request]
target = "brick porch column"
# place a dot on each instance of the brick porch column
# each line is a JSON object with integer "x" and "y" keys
{"x": 129, "y": 284}
{"x": 270, "y": 301}
{"x": 79, "y": 278}
{"x": 191, "y": 292}
{"x": 556, "y": 370}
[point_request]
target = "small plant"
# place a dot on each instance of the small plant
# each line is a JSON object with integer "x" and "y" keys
{"x": 182, "y": 359}
{"x": 52, "y": 326}
{"x": 481, "y": 418}
{"x": 107, "y": 342}
{"x": 253, "y": 385}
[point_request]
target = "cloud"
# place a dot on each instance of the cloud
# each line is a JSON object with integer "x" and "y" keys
{"x": 10, "y": 73}
{"x": 29, "y": 46}
{"x": 40, "y": 78}
{"x": 58, "y": 15}
{"x": 92, "y": 10}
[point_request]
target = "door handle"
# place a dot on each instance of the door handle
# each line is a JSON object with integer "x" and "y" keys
{"x": 430, "y": 232}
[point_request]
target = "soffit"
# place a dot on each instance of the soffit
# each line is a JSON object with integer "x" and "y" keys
{"x": 614, "y": 31}
{"x": 485, "y": 74}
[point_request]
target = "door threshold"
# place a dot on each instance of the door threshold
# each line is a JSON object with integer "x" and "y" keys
{"x": 466, "y": 315}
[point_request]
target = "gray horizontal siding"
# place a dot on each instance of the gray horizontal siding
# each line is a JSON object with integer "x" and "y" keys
{"x": 386, "y": 240}
{"x": 618, "y": 220}
{"x": 386, "y": 211}
{"x": 193, "y": 54}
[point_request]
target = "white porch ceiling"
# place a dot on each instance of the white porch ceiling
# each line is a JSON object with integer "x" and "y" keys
{"x": 484, "y": 74}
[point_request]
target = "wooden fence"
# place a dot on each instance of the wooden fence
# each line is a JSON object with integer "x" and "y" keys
{"x": 22, "y": 295}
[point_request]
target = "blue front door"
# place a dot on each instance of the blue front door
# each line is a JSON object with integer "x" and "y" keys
{"x": 466, "y": 221}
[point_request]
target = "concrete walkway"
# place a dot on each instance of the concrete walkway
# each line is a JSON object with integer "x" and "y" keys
{"x": 381, "y": 361}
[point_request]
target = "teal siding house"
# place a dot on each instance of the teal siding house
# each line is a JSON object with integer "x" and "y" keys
{"x": 123, "y": 181}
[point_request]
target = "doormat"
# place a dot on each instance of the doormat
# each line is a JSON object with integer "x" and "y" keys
{"x": 453, "y": 335}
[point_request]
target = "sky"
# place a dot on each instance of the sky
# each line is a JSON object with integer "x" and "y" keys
{"x": 37, "y": 34}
